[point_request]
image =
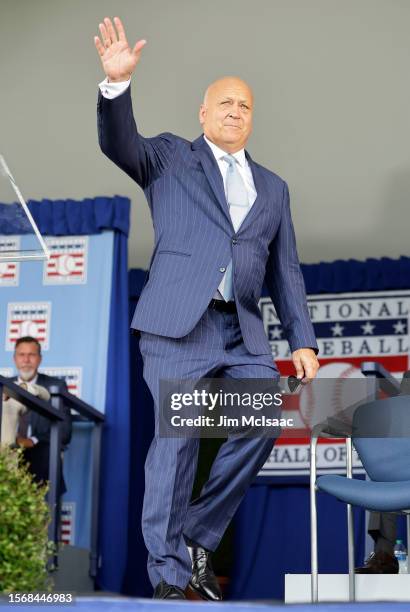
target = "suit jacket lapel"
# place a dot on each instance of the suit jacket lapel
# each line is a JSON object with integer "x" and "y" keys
{"x": 261, "y": 193}
{"x": 212, "y": 173}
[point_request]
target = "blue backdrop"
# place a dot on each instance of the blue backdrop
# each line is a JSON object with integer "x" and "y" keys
{"x": 86, "y": 326}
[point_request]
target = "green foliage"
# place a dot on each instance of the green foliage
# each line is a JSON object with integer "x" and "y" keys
{"x": 24, "y": 518}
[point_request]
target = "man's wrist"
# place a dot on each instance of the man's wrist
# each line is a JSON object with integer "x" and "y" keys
{"x": 112, "y": 90}
{"x": 123, "y": 79}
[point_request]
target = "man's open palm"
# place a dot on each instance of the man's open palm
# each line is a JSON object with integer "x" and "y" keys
{"x": 117, "y": 57}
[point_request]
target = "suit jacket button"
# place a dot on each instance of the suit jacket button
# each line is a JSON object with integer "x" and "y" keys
{"x": 222, "y": 269}
{"x": 234, "y": 241}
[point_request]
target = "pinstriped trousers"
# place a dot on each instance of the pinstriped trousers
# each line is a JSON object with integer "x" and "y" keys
{"x": 214, "y": 348}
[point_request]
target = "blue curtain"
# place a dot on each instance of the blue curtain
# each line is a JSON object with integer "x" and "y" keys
{"x": 351, "y": 275}
{"x": 340, "y": 276}
{"x": 92, "y": 216}
{"x": 116, "y": 440}
{"x": 272, "y": 524}
{"x": 70, "y": 217}
{"x": 136, "y": 581}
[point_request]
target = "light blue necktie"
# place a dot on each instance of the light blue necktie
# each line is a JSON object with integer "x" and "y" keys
{"x": 236, "y": 195}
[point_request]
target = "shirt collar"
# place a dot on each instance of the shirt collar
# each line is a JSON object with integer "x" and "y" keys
{"x": 219, "y": 153}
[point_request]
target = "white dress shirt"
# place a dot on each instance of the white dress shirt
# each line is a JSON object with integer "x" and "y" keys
{"x": 238, "y": 213}
{"x": 113, "y": 90}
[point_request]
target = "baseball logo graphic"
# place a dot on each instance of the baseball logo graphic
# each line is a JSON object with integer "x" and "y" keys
{"x": 66, "y": 264}
{"x": 28, "y": 319}
{"x": 68, "y": 522}
{"x": 337, "y": 387}
{"x": 72, "y": 376}
{"x": 7, "y": 372}
{"x": 68, "y": 261}
{"x": 31, "y": 328}
{"x": 9, "y": 270}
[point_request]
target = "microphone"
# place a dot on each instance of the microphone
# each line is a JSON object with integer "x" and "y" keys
{"x": 293, "y": 383}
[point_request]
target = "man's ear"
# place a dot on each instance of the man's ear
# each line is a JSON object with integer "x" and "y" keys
{"x": 202, "y": 114}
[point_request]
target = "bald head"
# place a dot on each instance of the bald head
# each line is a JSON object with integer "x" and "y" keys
{"x": 226, "y": 113}
{"x": 225, "y": 83}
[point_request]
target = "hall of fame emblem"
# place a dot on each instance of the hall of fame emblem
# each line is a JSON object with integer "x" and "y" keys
{"x": 72, "y": 377}
{"x": 68, "y": 261}
{"x": 350, "y": 329}
{"x": 67, "y": 533}
{"x": 9, "y": 270}
{"x": 28, "y": 319}
{"x": 6, "y": 372}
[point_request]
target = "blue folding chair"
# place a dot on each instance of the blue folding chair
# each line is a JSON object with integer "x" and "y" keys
{"x": 380, "y": 433}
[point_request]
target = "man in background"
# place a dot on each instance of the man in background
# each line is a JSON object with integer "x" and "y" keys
{"x": 34, "y": 430}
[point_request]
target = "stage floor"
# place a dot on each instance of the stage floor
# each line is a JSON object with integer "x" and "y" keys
{"x": 123, "y": 604}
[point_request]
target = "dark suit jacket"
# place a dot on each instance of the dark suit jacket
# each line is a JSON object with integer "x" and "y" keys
{"x": 195, "y": 239}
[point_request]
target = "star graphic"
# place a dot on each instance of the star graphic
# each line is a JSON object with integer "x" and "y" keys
{"x": 399, "y": 327}
{"x": 276, "y": 333}
{"x": 337, "y": 329}
{"x": 368, "y": 328}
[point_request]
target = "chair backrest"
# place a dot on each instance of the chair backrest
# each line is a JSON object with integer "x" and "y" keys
{"x": 381, "y": 436}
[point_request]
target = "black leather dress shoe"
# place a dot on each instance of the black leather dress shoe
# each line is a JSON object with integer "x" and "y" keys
{"x": 163, "y": 590}
{"x": 379, "y": 563}
{"x": 203, "y": 580}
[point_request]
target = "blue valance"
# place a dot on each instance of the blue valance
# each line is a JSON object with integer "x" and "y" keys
{"x": 70, "y": 217}
{"x": 340, "y": 276}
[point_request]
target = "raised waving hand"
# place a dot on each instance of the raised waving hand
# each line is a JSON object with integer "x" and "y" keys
{"x": 117, "y": 58}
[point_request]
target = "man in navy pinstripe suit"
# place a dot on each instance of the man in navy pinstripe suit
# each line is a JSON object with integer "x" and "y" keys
{"x": 222, "y": 227}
